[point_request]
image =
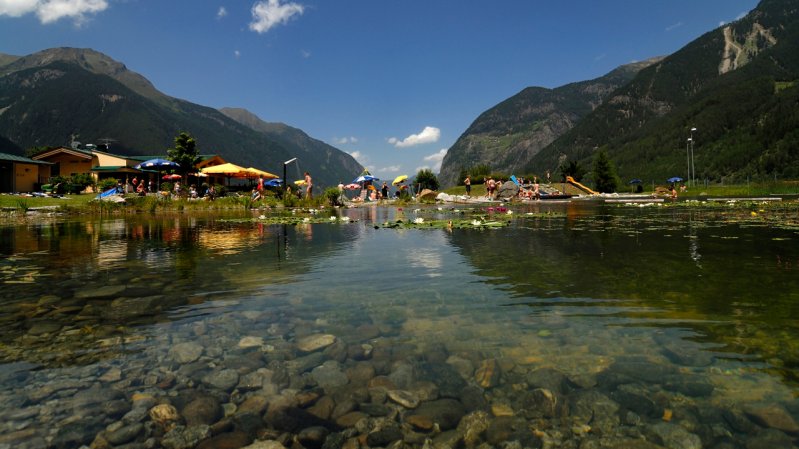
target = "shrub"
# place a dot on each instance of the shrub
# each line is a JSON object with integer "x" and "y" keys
{"x": 333, "y": 195}
{"x": 426, "y": 179}
{"x": 106, "y": 183}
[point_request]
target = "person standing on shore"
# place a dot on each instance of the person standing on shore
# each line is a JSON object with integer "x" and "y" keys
{"x": 468, "y": 183}
{"x": 308, "y": 186}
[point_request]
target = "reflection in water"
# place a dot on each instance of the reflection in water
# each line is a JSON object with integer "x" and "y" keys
{"x": 591, "y": 327}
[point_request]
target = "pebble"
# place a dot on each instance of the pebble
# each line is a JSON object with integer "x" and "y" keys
{"x": 187, "y": 352}
{"x": 404, "y": 398}
{"x": 772, "y": 415}
{"x": 315, "y": 342}
{"x": 251, "y": 342}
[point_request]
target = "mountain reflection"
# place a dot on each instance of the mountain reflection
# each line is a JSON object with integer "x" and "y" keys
{"x": 83, "y": 282}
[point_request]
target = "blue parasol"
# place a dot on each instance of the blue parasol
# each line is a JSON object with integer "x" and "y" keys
{"x": 157, "y": 163}
{"x": 674, "y": 179}
{"x": 365, "y": 178}
{"x": 635, "y": 181}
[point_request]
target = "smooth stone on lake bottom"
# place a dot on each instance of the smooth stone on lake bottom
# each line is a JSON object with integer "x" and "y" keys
{"x": 315, "y": 342}
{"x": 445, "y": 412}
{"x": 404, "y": 398}
{"x": 266, "y": 444}
{"x": 105, "y": 291}
{"x": 186, "y": 352}
{"x": 772, "y": 415}
{"x": 203, "y": 410}
{"x": 251, "y": 342}
{"x": 185, "y": 437}
{"x": 675, "y": 437}
{"x": 124, "y": 434}
{"x": 44, "y": 327}
{"x": 329, "y": 375}
{"x": 223, "y": 380}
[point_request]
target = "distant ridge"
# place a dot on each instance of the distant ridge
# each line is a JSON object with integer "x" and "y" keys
{"x": 738, "y": 85}
{"x": 507, "y": 136}
{"x": 49, "y": 96}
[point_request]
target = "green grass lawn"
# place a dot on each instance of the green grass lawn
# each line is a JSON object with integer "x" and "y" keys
{"x": 22, "y": 202}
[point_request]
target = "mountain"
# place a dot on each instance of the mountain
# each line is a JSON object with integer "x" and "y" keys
{"x": 49, "y": 96}
{"x": 507, "y": 136}
{"x": 307, "y": 147}
{"x": 737, "y": 85}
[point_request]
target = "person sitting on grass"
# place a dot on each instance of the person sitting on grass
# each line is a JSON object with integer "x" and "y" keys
{"x": 210, "y": 194}
{"x": 256, "y": 195}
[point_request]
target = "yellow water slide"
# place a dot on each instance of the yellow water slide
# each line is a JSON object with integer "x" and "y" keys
{"x": 585, "y": 189}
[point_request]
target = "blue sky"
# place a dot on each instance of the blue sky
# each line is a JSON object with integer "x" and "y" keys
{"x": 393, "y": 83}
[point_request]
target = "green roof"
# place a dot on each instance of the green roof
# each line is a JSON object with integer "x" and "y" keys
{"x": 113, "y": 168}
{"x": 26, "y": 160}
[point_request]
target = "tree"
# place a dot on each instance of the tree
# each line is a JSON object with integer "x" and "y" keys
{"x": 573, "y": 169}
{"x": 184, "y": 153}
{"x": 426, "y": 179}
{"x": 605, "y": 176}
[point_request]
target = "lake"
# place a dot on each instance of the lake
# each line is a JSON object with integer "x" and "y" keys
{"x": 573, "y": 325}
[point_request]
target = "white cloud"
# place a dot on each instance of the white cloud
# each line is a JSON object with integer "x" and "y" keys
{"x": 674, "y": 26}
{"x": 429, "y": 134}
{"x": 389, "y": 169}
{"x": 437, "y": 158}
{"x": 236, "y": 54}
{"x": 17, "y": 8}
{"x": 268, "y": 13}
{"x": 305, "y": 54}
{"x": 345, "y": 140}
{"x": 221, "y": 13}
{"x": 600, "y": 57}
{"x": 49, "y": 11}
{"x": 358, "y": 156}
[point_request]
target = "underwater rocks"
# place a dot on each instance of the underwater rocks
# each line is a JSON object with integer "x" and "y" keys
{"x": 292, "y": 383}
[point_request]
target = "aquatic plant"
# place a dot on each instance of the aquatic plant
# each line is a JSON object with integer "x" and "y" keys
{"x": 22, "y": 205}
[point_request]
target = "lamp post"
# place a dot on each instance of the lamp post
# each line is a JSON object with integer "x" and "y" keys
{"x": 285, "y": 181}
{"x": 693, "y": 168}
{"x": 688, "y": 157}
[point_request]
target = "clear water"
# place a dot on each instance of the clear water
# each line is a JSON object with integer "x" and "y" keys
{"x": 708, "y": 296}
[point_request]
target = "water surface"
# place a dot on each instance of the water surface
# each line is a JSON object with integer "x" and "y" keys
{"x": 688, "y": 311}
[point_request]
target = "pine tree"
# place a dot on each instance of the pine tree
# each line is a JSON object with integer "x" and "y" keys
{"x": 184, "y": 153}
{"x": 604, "y": 174}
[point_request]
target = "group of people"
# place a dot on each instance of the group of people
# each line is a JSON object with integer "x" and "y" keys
{"x": 375, "y": 194}
{"x": 193, "y": 193}
{"x": 140, "y": 187}
{"x": 258, "y": 191}
{"x": 493, "y": 186}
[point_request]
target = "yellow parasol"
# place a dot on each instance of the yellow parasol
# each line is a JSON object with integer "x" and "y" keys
{"x": 399, "y": 179}
{"x": 228, "y": 169}
{"x": 257, "y": 172}
{"x": 300, "y": 182}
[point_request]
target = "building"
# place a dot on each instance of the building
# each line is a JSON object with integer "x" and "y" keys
{"x": 66, "y": 162}
{"x": 22, "y": 174}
